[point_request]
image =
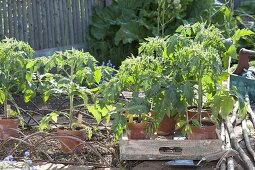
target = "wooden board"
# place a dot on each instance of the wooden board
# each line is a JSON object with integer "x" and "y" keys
{"x": 167, "y": 149}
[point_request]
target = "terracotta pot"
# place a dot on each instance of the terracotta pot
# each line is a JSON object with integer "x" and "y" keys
{"x": 192, "y": 112}
{"x": 206, "y": 131}
{"x": 70, "y": 143}
{"x": 137, "y": 131}
{"x": 166, "y": 126}
{"x": 6, "y": 128}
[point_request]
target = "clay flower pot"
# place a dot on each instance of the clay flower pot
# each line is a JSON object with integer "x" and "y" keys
{"x": 137, "y": 131}
{"x": 70, "y": 144}
{"x": 166, "y": 126}
{"x": 206, "y": 131}
{"x": 6, "y": 128}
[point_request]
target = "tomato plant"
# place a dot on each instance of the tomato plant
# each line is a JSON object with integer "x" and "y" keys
{"x": 135, "y": 75}
{"x": 72, "y": 73}
{"x": 13, "y": 59}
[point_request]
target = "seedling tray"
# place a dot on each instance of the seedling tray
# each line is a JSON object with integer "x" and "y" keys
{"x": 168, "y": 148}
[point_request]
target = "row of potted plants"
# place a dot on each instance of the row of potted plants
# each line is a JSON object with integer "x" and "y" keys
{"x": 72, "y": 74}
{"x": 169, "y": 75}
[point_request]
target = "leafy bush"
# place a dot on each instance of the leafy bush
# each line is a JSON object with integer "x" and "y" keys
{"x": 116, "y": 31}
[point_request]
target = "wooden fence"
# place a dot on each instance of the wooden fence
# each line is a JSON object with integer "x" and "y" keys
{"x": 46, "y": 23}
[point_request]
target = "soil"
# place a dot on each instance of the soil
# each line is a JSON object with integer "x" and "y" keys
{"x": 100, "y": 151}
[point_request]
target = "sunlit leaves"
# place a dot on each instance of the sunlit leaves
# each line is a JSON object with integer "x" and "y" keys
{"x": 222, "y": 103}
{"x": 240, "y": 33}
{"x": 13, "y": 58}
{"x": 45, "y": 121}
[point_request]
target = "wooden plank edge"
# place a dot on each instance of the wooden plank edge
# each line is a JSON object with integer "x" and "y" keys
{"x": 50, "y": 51}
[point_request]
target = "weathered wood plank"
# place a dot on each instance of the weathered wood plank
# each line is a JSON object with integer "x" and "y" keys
{"x": 10, "y": 19}
{"x": 24, "y": 20}
{"x": 57, "y": 25}
{"x": 44, "y": 25}
{"x": 62, "y": 25}
{"x": 48, "y": 27}
{"x": 70, "y": 22}
{"x": 5, "y": 11}
{"x": 36, "y": 31}
{"x": 15, "y": 21}
{"x": 78, "y": 18}
{"x": 86, "y": 4}
{"x": 65, "y": 15}
{"x": 31, "y": 24}
{"x": 52, "y": 23}
{"x": 50, "y": 51}
{"x": 108, "y": 2}
{"x": 39, "y": 22}
{"x": 165, "y": 149}
{"x": 1, "y": 24}
{"x": 83, "y": 22}
{"x": 20, "y": 23}
{"x": 90, "y": 6}
{"x": 75, "y": 28}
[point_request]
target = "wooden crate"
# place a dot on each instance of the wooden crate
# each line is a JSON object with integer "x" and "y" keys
{"x": 167, "y": 149}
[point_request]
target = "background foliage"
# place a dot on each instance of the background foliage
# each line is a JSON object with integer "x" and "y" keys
{"x": 116, "y": 31}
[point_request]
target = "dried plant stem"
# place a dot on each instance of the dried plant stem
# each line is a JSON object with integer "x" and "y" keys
{"x": 223, "y": 165}
{"x": 247, "y": 139}
{"x": 249, "y": 109}
{"x": 237, "y": 147}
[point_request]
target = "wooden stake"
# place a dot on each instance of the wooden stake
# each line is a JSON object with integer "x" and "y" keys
{"x": 8, "y": 111}
{"x": 79, "y": 118}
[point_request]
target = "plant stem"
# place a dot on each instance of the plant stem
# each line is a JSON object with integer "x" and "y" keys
{"x": 71, "y": 112}
{"x": 200, "y": 98}
{"x": 5, "y": 106}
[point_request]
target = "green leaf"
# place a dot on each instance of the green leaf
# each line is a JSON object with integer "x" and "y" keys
{"x": 30, "y": 64}
{"x": 2, "y": 97}
{"x": 94, "y": 110}
{"x": 188, "y": 92}
{"x": 118, "y": 125}
{"x": 242, "y": 108}
{"x": 195, "y": 122}
{"x": 97, "y": 75}
{"x": 54, "y": 116}
{"x": 227, "y": 106}
{"x": 240, "y": 33}
{"x": 231, "y": 52}
{"x": 28, "y": 95}
{"x": 129, "y": 32}
{"x": 223, "y": 77}
{"x": 44, "y": 123}
{"x": 186, "y": 129}
{"x": 222, "y": 103}
{"x": 138, "y": 105}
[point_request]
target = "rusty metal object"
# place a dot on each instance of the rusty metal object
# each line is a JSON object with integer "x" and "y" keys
{"x": 243, "y": 61}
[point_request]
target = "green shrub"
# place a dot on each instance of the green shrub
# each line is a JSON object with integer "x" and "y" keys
{"x": 116, "y": 31}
